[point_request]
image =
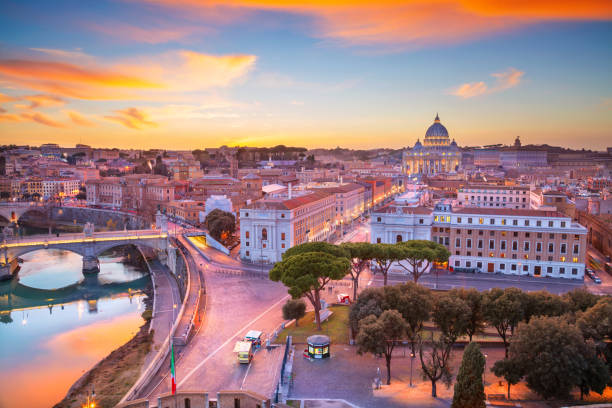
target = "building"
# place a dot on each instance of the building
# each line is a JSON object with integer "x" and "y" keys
{"x": 482, "y": 195}
{"x": 350, "y": 201}
{"x": 486, "y": 157}
{"x": 437, "y": 154}
{"x": 268, "y": 227}
{"x": 400, "y": 221}
{"x": 510, "y": 241}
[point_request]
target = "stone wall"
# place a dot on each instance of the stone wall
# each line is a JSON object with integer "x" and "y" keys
{"x": 100, "y": 218}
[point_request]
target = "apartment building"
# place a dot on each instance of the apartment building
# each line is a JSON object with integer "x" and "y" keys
{"x": 511, "y": 241}
{"x": 268, "y": 227}
{"x": 133, "y": 192}
{"x": 396, "y": 222}
{"x": 488, "y": 196}
{"x": 350, "y": 201}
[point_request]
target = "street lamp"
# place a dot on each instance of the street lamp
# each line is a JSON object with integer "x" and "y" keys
{"x": 484, "y": 374}
{"x": 411, "y": 361}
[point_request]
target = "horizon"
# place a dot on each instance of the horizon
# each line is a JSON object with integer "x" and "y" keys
{"x": 183, "y": 74}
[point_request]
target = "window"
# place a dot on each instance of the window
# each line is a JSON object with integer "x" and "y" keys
{"x": 247, "y": 235}
{"x": 574, "y": 271}
{"x": 525, "y": 268}
{"x": 526, "y": 223}
{"x": 282, "y": 215}
{"x": 236, "y": 402}
{"x": 561, "y": 271}
{"x": 458, "y": 220}
{"x": 491, "y": 255}
{"x": 398, "y": 238}
{"x": 515, "y": 234}
{"x": 539, "y": 235}
{"x": 247, "y": 243}
{"x": 187, "y": 403}
{"x": 378, "y": 219}
{"x": 446, "y": 241}
{"x": 246, "y": 214}
{"x": 492, "y": 221}
{"x": 468, "y": 243}
{"x": 458, "y": 231}
{"x": 503, "y": 221}
{"x": 562, "y": 224}
{"x": 549, "y": 269}
{"x": 282, "y": 236}
{"x": 457, "y": 252}
{"x": 551, "y": 236}
{"x": 480, "y": 244}
{"x": 469, "y": 220}
{"x": 538, "y": 247}
{"x": 562, "y": 259}
{"x": 576, "y": 248}
{"x": 538, "y": 223}
{"x": 515, "y": 245}
{"x": 420, "y": 220}
{"x": 514, "y": 222}
{"x": 457, "y": 263}
{"x": 513, "y": 267}
{"x": 563, "y": 236}
{"x": 480, "y": 220}
{"x": 481, "y": 232}
{"x": 551, "y": 248}
{"x": 575, "y": 260}
{"x": 502, "y": 267}
{"x": 378, "y": 240}
{"x": 550, "y": 224}
{"x": 502, "y": 245}
{"x": 563, "y": 248}
{"x": 282, "y": 245}
{"x": 468, "y": 263}
{"x": 527, "y": 235}
{"x": 458, "y": 242}
{"x": 492, "y": 233}
{"x": 479, "y": 264}
{"x": 469, "y": 232}
{"x": 264, "y": 234}
{"x": 526, "y": 246}
{"x": 491, "y": 244}
{"x": 247, "y": 253}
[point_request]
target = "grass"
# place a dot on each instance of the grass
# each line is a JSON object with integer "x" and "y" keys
{"x": 336, "y": 327}
{"x": 293, "y": 403}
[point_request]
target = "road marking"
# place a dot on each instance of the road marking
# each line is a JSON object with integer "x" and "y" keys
{"x": 245, "y": 374}
{"x": 246, "y": 326}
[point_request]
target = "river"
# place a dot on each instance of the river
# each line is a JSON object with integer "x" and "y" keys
{"x": 44, "y": 349}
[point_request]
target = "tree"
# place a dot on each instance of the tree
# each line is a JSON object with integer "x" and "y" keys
{"x": 434, "y": 364}
{"x": 420, "y": 254}
{"x": 473, "y": 299}
{"x": 384, "y": 255}
{"x": 469, "y": 389}
{"x": 415, "y": 306}
{"x": 451, "y": 316}
{"x": 596, "y": 325}
{"x": 580, "y": 299}
{"x": 504, "y": 309}
{"x": 321, "y": 246}
{"x": 220, "y": 224}
{"x": 543, "y": 303}
{"x": 306, "y": 274}
{"x": 555, "y": 358}
{"x": 360, "y": 255}
{"x": 294, "y": 309}
{"x": 379, "y": 335}
{"x": 510, "y": 370}
{"x": 370, "y": 302}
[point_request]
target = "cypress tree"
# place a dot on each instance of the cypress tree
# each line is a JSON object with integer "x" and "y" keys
{"x": 469, "y": 389}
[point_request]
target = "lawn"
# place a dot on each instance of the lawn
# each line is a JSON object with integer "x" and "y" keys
{"x": 336, "y": 327}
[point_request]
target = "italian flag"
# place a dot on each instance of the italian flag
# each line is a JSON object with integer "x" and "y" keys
{"x": 172, "y": 369}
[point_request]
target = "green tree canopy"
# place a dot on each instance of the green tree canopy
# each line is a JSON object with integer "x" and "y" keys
{"x": 321, "y": 246}
{"x": 580, "y": 299}
{"x": 294, "y": 309}
{"x": 555, "y": 358}
{"x": 544, "y": 303}
{"x": 469, "y": 389}
{"x": 473, "y": 299}
{"x": 378, "y": 335}
{"x": 504, "y": 309}
{"x": 415, "y": 307}
{"x": 220, "y": 224}
{"x": 418, "y": 255}
{"x": 306, "y": 274}
{"x": 451, "y": 315}
{"x": 510, "y": 370}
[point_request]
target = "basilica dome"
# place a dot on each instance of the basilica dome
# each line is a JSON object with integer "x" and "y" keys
{"x": 437, "y": 129}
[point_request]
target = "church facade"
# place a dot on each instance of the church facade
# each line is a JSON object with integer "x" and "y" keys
{"x": 437, "y": 154}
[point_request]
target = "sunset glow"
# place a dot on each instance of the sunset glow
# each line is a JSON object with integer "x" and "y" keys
{"x": 189, "y": 74}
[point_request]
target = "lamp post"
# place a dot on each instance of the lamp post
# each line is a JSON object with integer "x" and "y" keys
{"x": 484, "y": 373}
{"x": 411, "y": 361}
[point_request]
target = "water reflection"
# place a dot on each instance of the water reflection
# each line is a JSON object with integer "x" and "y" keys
{"x": 50, "y": 346}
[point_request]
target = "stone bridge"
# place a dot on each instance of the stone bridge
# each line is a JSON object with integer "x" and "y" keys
{"x": 12, "y": 211}
{"x": 88, "y": 244}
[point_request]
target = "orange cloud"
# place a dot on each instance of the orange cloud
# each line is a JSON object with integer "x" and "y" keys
{"x": 133, "y": 118}
{"x": 41, "y": 101}
{"x": 9, "y": 117}
{"x": 6, "y": 98}
{"x": 42, "y": 119}
{"x": 407, "y": 23}
{"x": 54, "y": 52}
{"x": 503, "y": 80}
{"x": 137, "y": 79}
{"x": 78, "y": 119}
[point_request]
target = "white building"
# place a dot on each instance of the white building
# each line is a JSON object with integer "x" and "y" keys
{"x": 268, "y": 227}
{"x": 517, "y": 197}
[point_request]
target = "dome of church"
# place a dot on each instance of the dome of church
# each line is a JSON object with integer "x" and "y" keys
{"x": 418, "y": 144}
{"x": 437, "y": 129}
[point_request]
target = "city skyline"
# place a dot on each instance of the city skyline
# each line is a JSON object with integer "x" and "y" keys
{"x": 183, "y": 75}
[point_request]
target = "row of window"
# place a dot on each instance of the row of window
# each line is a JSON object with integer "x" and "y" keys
{"x": 536, "y": 269}
{"x": 515, "y": 244}
{"x": 503, "y": 221}
{"x": 497, "y": 199}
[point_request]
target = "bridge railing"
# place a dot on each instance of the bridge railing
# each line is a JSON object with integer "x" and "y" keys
{"x": 44, "y": 239}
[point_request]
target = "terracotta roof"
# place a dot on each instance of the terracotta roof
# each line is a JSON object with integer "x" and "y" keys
{"x": 288, "y": 204}
{"x": 508, "y": 211}
{"x": 344, "y": 188}
{"x": 494, "y": 187}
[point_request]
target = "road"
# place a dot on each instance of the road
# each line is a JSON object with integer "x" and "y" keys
{"x": 235, "y": 303}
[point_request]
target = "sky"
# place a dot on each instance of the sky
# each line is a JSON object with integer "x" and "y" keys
{"x": 186, "y": 74}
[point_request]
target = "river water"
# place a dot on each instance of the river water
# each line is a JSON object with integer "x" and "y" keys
{"x": 55, "y": 324}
